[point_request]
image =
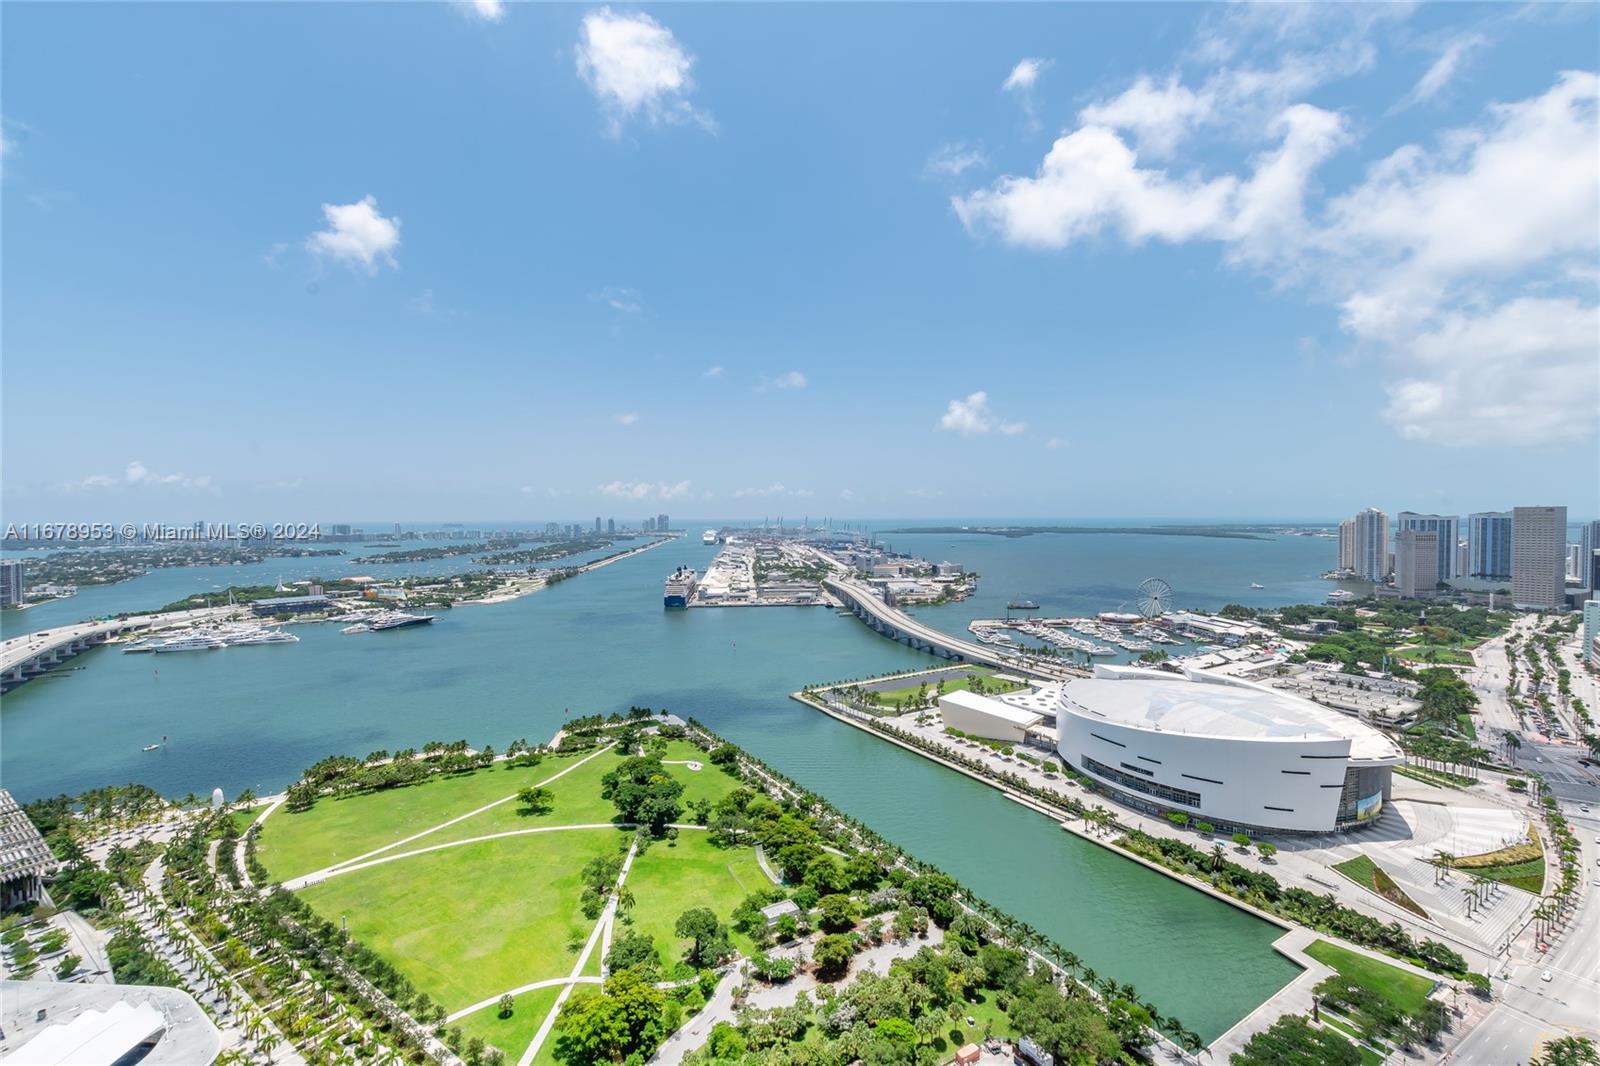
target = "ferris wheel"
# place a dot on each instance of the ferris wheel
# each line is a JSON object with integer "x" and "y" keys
{"x": 1155, "y": 597}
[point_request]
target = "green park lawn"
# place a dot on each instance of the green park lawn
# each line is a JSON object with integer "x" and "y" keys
{"x": 512, "y": 1035}
{"x": 668, "y": 879}
{"x": 899, "y": 697}
{"x": 1405, "y": 990}
{"x": 242, "y": 819}
{"x": 1528, "y": 876}
{"x": 339, "y": 829}
{"x": 1436, "y": 655}
{"x": 470, "y": 922}
{"x": 711, "y": 782}
{"x": 576, "y": 801}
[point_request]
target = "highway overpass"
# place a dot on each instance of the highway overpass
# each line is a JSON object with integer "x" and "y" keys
{"x": 863, "y": 601}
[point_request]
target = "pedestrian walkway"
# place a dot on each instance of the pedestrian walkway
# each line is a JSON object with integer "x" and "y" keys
{"x": 583, "y": 960}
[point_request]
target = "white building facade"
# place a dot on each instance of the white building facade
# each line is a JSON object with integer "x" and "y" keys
{"x": 1372, "y": 545}
{"x": 1239, "y": 755}
{"x": 1538, "y": 557}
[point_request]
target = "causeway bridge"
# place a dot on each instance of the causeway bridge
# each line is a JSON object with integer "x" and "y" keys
{"x": 864, "y": 602}
{"x": 25, "y": 657}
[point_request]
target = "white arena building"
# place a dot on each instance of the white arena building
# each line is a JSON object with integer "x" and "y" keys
{"x": 1234, "y": 753}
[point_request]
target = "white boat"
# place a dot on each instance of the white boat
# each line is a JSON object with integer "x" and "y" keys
{"x": 259, "y": 636}
{"x": 1257, "y": 585}
{"x": 193, "y": 642}
{"x": 151, "y": 747}
{"x": 708, "y": 537}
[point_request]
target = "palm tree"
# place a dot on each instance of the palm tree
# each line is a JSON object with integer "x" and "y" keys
{"x": 1218, "y": 857}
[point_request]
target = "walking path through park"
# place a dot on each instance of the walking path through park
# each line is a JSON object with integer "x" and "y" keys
{"x": 327, "y": 871}
{"x": 484, "y": 1004}
{"x": 583, "y": 960}
{"x": 334, "y": 871}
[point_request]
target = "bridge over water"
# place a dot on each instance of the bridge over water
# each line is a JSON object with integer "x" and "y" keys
{"x": 864, "y": 602}
{"x": 25, "y": 657}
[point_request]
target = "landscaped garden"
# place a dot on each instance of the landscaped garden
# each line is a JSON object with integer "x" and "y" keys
{"x": 1370, "y": 876}
{"x": 1520, "y": 865}
{"x": 596, "y": 896}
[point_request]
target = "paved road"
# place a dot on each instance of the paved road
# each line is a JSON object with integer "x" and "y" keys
{"x": 1529, "y": 1009}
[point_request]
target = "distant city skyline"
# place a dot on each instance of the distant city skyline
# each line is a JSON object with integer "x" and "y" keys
{"x": 1143, "y": 261}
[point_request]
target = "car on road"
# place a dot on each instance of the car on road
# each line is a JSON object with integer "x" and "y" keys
{"x": 1545, "y": 976}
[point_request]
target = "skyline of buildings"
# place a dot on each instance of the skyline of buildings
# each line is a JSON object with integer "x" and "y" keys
{"x": 1526, "y": 547}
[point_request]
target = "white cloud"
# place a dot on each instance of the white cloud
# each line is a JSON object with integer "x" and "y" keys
{"x": 137, "y": 475}
{"x": 487, "y": 10}
{"x": 847, "y": 494}
{"x": 635, "y": 67}
{"x": 925, "y": 494}
{"x": 1025, "y": 75}
{"x": 645, "y": 490}
{"x": 626, "y": 418}
{"x": 954, "y": 160}
{"x": 972, "y": 417}
{"x": 1435, "y": 246}
{"x": 357, "y": 234}
{"x": 1444, "y": 69}
{"x": 1159, "y": 116}
{"x": 791, "y": 380}
{"x": 1056, "y": 442}
{"x": 774, "y": 489}
{"x": 712, "y": 372}
{"x": 626, "y": 301}
{"x": 1526, "y": 373}
{"x": 1088, "y": 181}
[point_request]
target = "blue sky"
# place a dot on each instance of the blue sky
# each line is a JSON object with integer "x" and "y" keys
{"x": 324, "y": 261}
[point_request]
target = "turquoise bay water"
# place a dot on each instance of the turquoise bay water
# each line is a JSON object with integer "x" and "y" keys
{"x": 255, "y": 716}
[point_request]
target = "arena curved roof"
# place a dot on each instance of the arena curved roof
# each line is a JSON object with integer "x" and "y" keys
{"x": 1217, "y": 706}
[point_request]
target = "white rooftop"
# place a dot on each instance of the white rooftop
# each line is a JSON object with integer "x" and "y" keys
{"x": 1218, "y": 706}
{"x": 1017, "y": 716}
{"x": 93, "y": 1038}
{"x": 1040, "y": 700}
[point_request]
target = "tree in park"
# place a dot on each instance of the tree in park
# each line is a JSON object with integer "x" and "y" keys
{"x": 838, "y": 913}
{"x": 624, "y": 1019}
{"x": 507, "y": 1005}
{"x": 725, "y": 755}
{"x": 711, "y": 944}
{"x": 936, "y": 894}
{"x": 633, "y": 951}
{"x": 643, "y": 792}
{"x": 827, "y": 874}
{"x": 1266, "y": 850}
{"x": 1292, "y": 1041}
{"x": 796, "y": 859}
{"x": 897, "y": 1031}
{"x": 863, "y": 870}
{"x": 833, "y": 955}
{"x": 1242, "y": 840}
{"x": 536, "y": 800}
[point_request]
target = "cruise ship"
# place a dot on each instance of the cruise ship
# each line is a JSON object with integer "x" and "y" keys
{"x": 708, "y": 537}
{"x": 680, "y": 588}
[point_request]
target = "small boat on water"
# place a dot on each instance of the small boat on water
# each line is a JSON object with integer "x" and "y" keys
{"x": 151, "y": 747}
{"x": 1257, "y": 585}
